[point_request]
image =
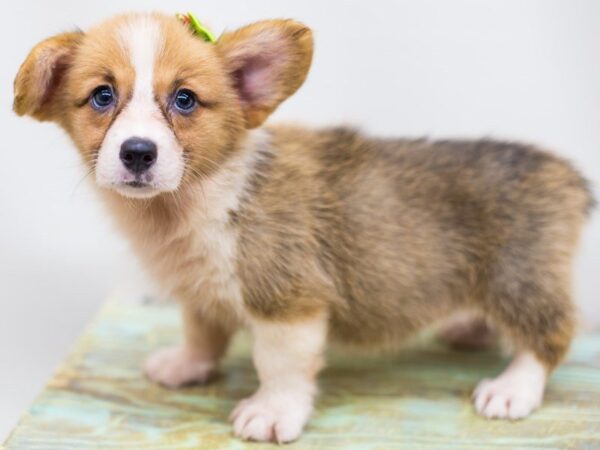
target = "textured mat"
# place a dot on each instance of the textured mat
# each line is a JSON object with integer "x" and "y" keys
{"x": 415, "y": 399}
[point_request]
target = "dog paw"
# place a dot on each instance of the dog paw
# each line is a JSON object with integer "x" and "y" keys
{"x": 505, "y": 399}
{"x": 271, "y": 417}
{"x": 176, "y": 366}
{"x": 515, "y": 393}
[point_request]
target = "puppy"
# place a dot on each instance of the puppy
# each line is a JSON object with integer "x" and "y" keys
{"x": 304, "y": 236}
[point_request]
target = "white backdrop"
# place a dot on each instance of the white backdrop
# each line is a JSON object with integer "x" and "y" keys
{"x": 519, "y": 69}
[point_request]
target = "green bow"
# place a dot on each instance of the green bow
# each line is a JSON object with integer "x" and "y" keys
{"x": 199, "y": 29}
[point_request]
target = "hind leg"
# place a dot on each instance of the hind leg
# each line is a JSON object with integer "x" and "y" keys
{"x": 538, "y": 318}
{"x": 519, "y": 389}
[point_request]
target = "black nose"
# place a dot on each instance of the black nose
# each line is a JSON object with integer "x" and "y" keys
{"x": 138, "y": 154}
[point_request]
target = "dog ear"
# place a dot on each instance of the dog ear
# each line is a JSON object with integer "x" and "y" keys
{"x": 268, "y": 61}
{"x": 37, "y": 85}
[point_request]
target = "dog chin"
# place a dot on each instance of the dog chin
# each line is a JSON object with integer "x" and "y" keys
{"x": 138, "y": 192}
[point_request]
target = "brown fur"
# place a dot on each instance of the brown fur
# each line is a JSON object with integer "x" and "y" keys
{"x": 385, "y": 235}
{"x": 409, "y": 231}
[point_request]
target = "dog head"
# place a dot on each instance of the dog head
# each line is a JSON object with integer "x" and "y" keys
{"x": 152, "y": 106}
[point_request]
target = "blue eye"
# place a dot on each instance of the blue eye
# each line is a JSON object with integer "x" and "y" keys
{"x": 185, "y": 101}
{"x": 102, "y": 97}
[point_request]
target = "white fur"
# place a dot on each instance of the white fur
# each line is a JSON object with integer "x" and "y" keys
{"x": 214, "y": 245}
{"x": 515, "y": 393}
{"x": 142, "y": 40}
{"x": 215, "y": 238}
{"x": 287, "y": 357}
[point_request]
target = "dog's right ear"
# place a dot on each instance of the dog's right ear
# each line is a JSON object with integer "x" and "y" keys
{"x": 37, "y": 85}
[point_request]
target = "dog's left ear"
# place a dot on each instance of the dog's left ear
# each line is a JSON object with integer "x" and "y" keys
{"x": 268, "y": 61}
{"x": 38, "y": 82}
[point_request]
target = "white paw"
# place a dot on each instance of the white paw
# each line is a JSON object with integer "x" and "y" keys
{"x": 501, "y": 399}
{"x": 515, "y": 393}
{"x": 176, "y": 366}
{"x": 271, "y": 416}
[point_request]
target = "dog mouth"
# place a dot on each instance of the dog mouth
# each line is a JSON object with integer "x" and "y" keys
{"x": 137, "y": 184}
{"x": 136, "y": 188}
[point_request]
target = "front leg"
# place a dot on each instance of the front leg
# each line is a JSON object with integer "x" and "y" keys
{"x": 287, "y": 356}
{"x": 194, "y": 360}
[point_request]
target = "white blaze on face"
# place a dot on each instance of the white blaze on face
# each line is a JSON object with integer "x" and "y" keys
{"x": 142, "y": 40}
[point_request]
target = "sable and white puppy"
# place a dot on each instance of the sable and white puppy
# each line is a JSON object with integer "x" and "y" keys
{"x": 305, "y": 235}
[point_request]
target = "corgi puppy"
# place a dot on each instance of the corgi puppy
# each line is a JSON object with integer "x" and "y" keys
{"x": 305, "y": 236}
